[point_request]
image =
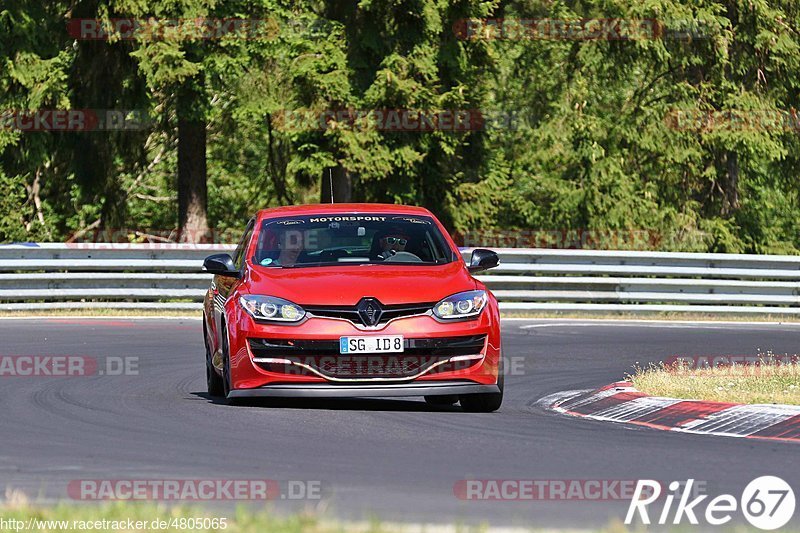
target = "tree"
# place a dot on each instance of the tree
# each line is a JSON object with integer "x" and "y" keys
{"x": 688, "y": 135}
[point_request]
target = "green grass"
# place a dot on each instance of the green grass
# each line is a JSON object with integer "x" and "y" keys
{"x": 114, "y": 516}
{"x": 244, "y": 518}
{"x": 765, "y": 383}
{"x": 102, "y": 312}
{"x": 659, "y": 315}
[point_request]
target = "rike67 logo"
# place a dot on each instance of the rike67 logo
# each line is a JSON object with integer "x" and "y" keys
{"x": 767, "y": 503}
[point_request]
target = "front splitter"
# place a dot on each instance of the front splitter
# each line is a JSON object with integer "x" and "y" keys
{"x": 324, "y": 390}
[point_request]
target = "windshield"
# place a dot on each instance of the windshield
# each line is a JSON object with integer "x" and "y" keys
{"x": 351, "y": 239}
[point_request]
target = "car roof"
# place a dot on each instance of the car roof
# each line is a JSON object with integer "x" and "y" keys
{"x": 325, "y": 209}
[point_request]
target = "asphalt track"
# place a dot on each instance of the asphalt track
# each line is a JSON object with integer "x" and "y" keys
{"x": 394, "y": 459}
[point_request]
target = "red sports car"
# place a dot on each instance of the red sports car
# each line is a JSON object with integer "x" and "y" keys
{"x": 352, "y": 300}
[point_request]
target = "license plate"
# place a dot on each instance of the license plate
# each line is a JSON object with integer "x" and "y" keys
{"x": 371, "y": 344}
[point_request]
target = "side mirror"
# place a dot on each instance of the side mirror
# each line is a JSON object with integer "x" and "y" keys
{"x": 482, "y": 259}
{"x": 221, "y": 265}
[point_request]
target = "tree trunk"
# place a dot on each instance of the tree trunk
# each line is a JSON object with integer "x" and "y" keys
{"x": 342, "y": 183}
{"x": 730, "y": 200}
{"x": 192, "y": 172}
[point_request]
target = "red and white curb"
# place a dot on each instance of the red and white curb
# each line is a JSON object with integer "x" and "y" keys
{"x": 620, "y": 402}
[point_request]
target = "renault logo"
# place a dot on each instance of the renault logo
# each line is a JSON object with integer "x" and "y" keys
{"x": 369, "y": 310}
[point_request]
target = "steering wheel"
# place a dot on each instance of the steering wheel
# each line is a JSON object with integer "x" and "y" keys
{"x": 333, "y": 255}
{"x": 403, "y": 257}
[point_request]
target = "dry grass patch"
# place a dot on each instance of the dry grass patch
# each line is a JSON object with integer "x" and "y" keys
{"x": 768, "y": 379}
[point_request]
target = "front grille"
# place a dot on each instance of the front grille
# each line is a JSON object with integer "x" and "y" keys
{"x": 353, "y": 368}
{"x": 439, "y": 346}
{"x": 322, "y": 356}
{"x": 350, "y": 312}
{"x": 372, "y": 366}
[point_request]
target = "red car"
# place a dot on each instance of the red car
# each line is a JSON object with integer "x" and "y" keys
{"x": 352, "y": 300}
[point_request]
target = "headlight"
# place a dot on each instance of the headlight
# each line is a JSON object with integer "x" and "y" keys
{"x": 271, "y": 308}
{"x": 462, "y": 305}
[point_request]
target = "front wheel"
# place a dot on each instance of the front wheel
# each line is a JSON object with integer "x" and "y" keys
{"x": 485, "y": 402}
{"x": 214, "y": 383}
{"x": 213, "y": 380}
{"x": 226, "y": 370}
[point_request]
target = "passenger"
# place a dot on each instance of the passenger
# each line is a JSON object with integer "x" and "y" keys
{"x": 291, "y": 248}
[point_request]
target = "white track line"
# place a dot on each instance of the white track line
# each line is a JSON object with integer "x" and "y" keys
{"x": 633, "y": 409}
{"x": 548, "y": 322}
{"x": 735, "y": 421}
{"x": 69, "y": 317}
{"x": 570, "y": 404}
{"x": 741, "y": 420}
{"x": 558, "y": 398}
{"x": 660, "y": 324}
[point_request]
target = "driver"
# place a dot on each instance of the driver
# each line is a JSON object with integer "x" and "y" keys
{"x": 391, "y": 242}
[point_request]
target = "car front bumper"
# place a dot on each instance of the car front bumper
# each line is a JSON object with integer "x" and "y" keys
{"x": 324, "y": 390}
{"x": 251, "y": 376}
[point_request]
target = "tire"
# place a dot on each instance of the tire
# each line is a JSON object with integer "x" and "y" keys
{"x": 441, "y": 400}
{"x": 213, "y": 380}
{"x": 226, "y": 370}
{"x": 485, "y": 402}
{"x": 215, "y": 386}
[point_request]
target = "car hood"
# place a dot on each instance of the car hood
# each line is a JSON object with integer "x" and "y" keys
{"x": 346, "y": 285}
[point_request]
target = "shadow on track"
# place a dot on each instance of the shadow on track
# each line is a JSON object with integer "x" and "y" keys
{"x": 333, "y": 404}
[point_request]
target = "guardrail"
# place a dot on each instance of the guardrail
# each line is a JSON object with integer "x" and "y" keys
{"x": 169, "y": 276}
